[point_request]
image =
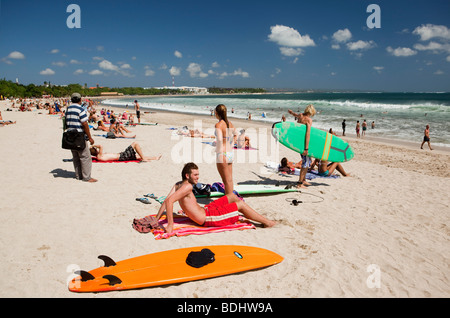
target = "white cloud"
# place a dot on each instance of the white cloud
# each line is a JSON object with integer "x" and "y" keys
{"x": 60, "y": 64}
{"x": 47, "y": 71}
{"x": 342, "y": 36}
{"x": 335, "y": 46}
{"x": 78, "y": 72}
{"x": 238, "y": 72}
{"x": 215, "y": 65}
{"x": 149, "y": 72}
{"x": 195, "y": 70}
{"x": 430, "y": 31}
{"x": 95, "y": 72}
{"x": 277, "y": 71}
{"x": 107, "y": 65}
{"x": 448, "y": 58}
{"x": 178, "y": 54}
{"x": 439, "y": 72}
{"x": 378, "y": 68}
{"x": 175, "y": 71}
{"x": 75, "y": 62}
{"x": 289, "y": 37}
{"x": 290, "y": 51}
{"x": 360, "y": 45}
{"x": 433, "y": 46}
{"x": 401, "y": 51}
{"x": 16, "y": 55}
{"x": 54, "y": 51}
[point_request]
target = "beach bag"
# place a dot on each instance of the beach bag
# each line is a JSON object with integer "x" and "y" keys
{"x": 74, "y": 140}
{"x": 201, "y": 189}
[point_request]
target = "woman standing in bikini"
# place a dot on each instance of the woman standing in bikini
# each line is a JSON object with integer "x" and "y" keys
{"x": 225, "y": 132}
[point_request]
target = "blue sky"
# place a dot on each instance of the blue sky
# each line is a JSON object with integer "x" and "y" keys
{"x": 270, "y": 44}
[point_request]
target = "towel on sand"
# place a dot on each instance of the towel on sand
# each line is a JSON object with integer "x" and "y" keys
{"x": 94, "y": 159}
{"x": 184, "y": 226}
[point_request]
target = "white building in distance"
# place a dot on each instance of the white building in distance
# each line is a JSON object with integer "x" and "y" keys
{"x": 194, "y": 90}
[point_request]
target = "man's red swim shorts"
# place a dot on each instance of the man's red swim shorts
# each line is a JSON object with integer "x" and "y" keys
{"x": 220, "y": 213}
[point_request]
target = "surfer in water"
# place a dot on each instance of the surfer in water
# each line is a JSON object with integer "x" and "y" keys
{"x": 220, "y": 212}
{"x": 305, "y": 119}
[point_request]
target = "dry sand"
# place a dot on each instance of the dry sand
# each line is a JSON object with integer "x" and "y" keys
{"x": 381, "y": 233}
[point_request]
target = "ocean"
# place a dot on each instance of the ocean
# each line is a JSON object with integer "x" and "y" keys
{"x": 401, "y": 116}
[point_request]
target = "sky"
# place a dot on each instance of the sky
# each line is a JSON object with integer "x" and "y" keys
{"x": 330, "y": 45}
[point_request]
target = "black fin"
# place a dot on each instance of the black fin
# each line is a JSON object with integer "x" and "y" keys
{"x": 113, "y": 280}
{"x": 108, "y": 261}
{"x": 85, "y": 276}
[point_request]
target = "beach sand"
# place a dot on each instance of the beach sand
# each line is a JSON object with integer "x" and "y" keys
{"x": 383, "y": 232}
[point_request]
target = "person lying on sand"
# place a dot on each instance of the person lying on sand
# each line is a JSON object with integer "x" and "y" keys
{"x": 133, "y": 152}
{"x": 288, "y": 166}
{"x": 101, "y": 126}
{"x": 326, "y": 168}
{"x": 194, "y": 133}
{"x": 220, "y": 212}
{"x": 5, "y": 122}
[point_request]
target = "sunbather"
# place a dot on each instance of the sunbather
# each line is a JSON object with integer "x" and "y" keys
{"x": 220, "y": 212}
{"x": 326, "y": 168}
{"x": 133, "y": 152}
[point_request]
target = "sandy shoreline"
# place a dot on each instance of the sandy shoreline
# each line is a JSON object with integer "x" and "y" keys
{"x": 392, "y": 215}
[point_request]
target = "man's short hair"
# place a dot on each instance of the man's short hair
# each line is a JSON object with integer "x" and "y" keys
{"x": 187, "y": 169}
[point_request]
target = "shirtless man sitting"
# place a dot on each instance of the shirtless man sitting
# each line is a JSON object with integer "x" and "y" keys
{"x": 118, "y": 130}
{"x": 220, "y": 212}
{"x": 133, "y": 152}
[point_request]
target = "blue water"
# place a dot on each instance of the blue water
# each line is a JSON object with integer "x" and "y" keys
{"x": 400, "y": 116}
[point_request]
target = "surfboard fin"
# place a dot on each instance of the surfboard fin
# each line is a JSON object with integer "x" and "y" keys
{"x": 108, "y": 261}
{"x": 85, "y": 276}
{"x": 112, "y": 280}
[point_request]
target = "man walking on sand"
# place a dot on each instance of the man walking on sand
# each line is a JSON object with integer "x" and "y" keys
{"x": 220, "y": 212}
{"x": 426, "y": 137}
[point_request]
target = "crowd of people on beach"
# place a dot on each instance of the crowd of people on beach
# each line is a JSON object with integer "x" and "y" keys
{"x": 78, "y": 115}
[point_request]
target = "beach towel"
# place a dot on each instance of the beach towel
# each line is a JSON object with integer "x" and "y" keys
{"x": 213, "y": 143}
{"x": 274, "y": 166}
{"x": 94, "y": 159}
{"x": 183, "y": 226}
{"x": 111, "y": 136}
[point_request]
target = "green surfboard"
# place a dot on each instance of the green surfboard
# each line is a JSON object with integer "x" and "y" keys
{"x": 322, "y": 145}
{"x": 252, "y": 189}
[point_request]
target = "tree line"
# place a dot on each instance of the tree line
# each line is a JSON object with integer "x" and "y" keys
{"x": 11, "y": 89}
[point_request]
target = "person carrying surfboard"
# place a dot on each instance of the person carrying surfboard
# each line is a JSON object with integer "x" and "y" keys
{"x": 305, "y": 119}
{"x": 220, "y": 212}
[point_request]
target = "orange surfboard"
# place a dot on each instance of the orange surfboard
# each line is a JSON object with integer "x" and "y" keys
{"x": 172, "y": 267}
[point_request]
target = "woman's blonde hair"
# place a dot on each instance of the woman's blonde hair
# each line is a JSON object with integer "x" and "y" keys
{"x": 310, "y": 110}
